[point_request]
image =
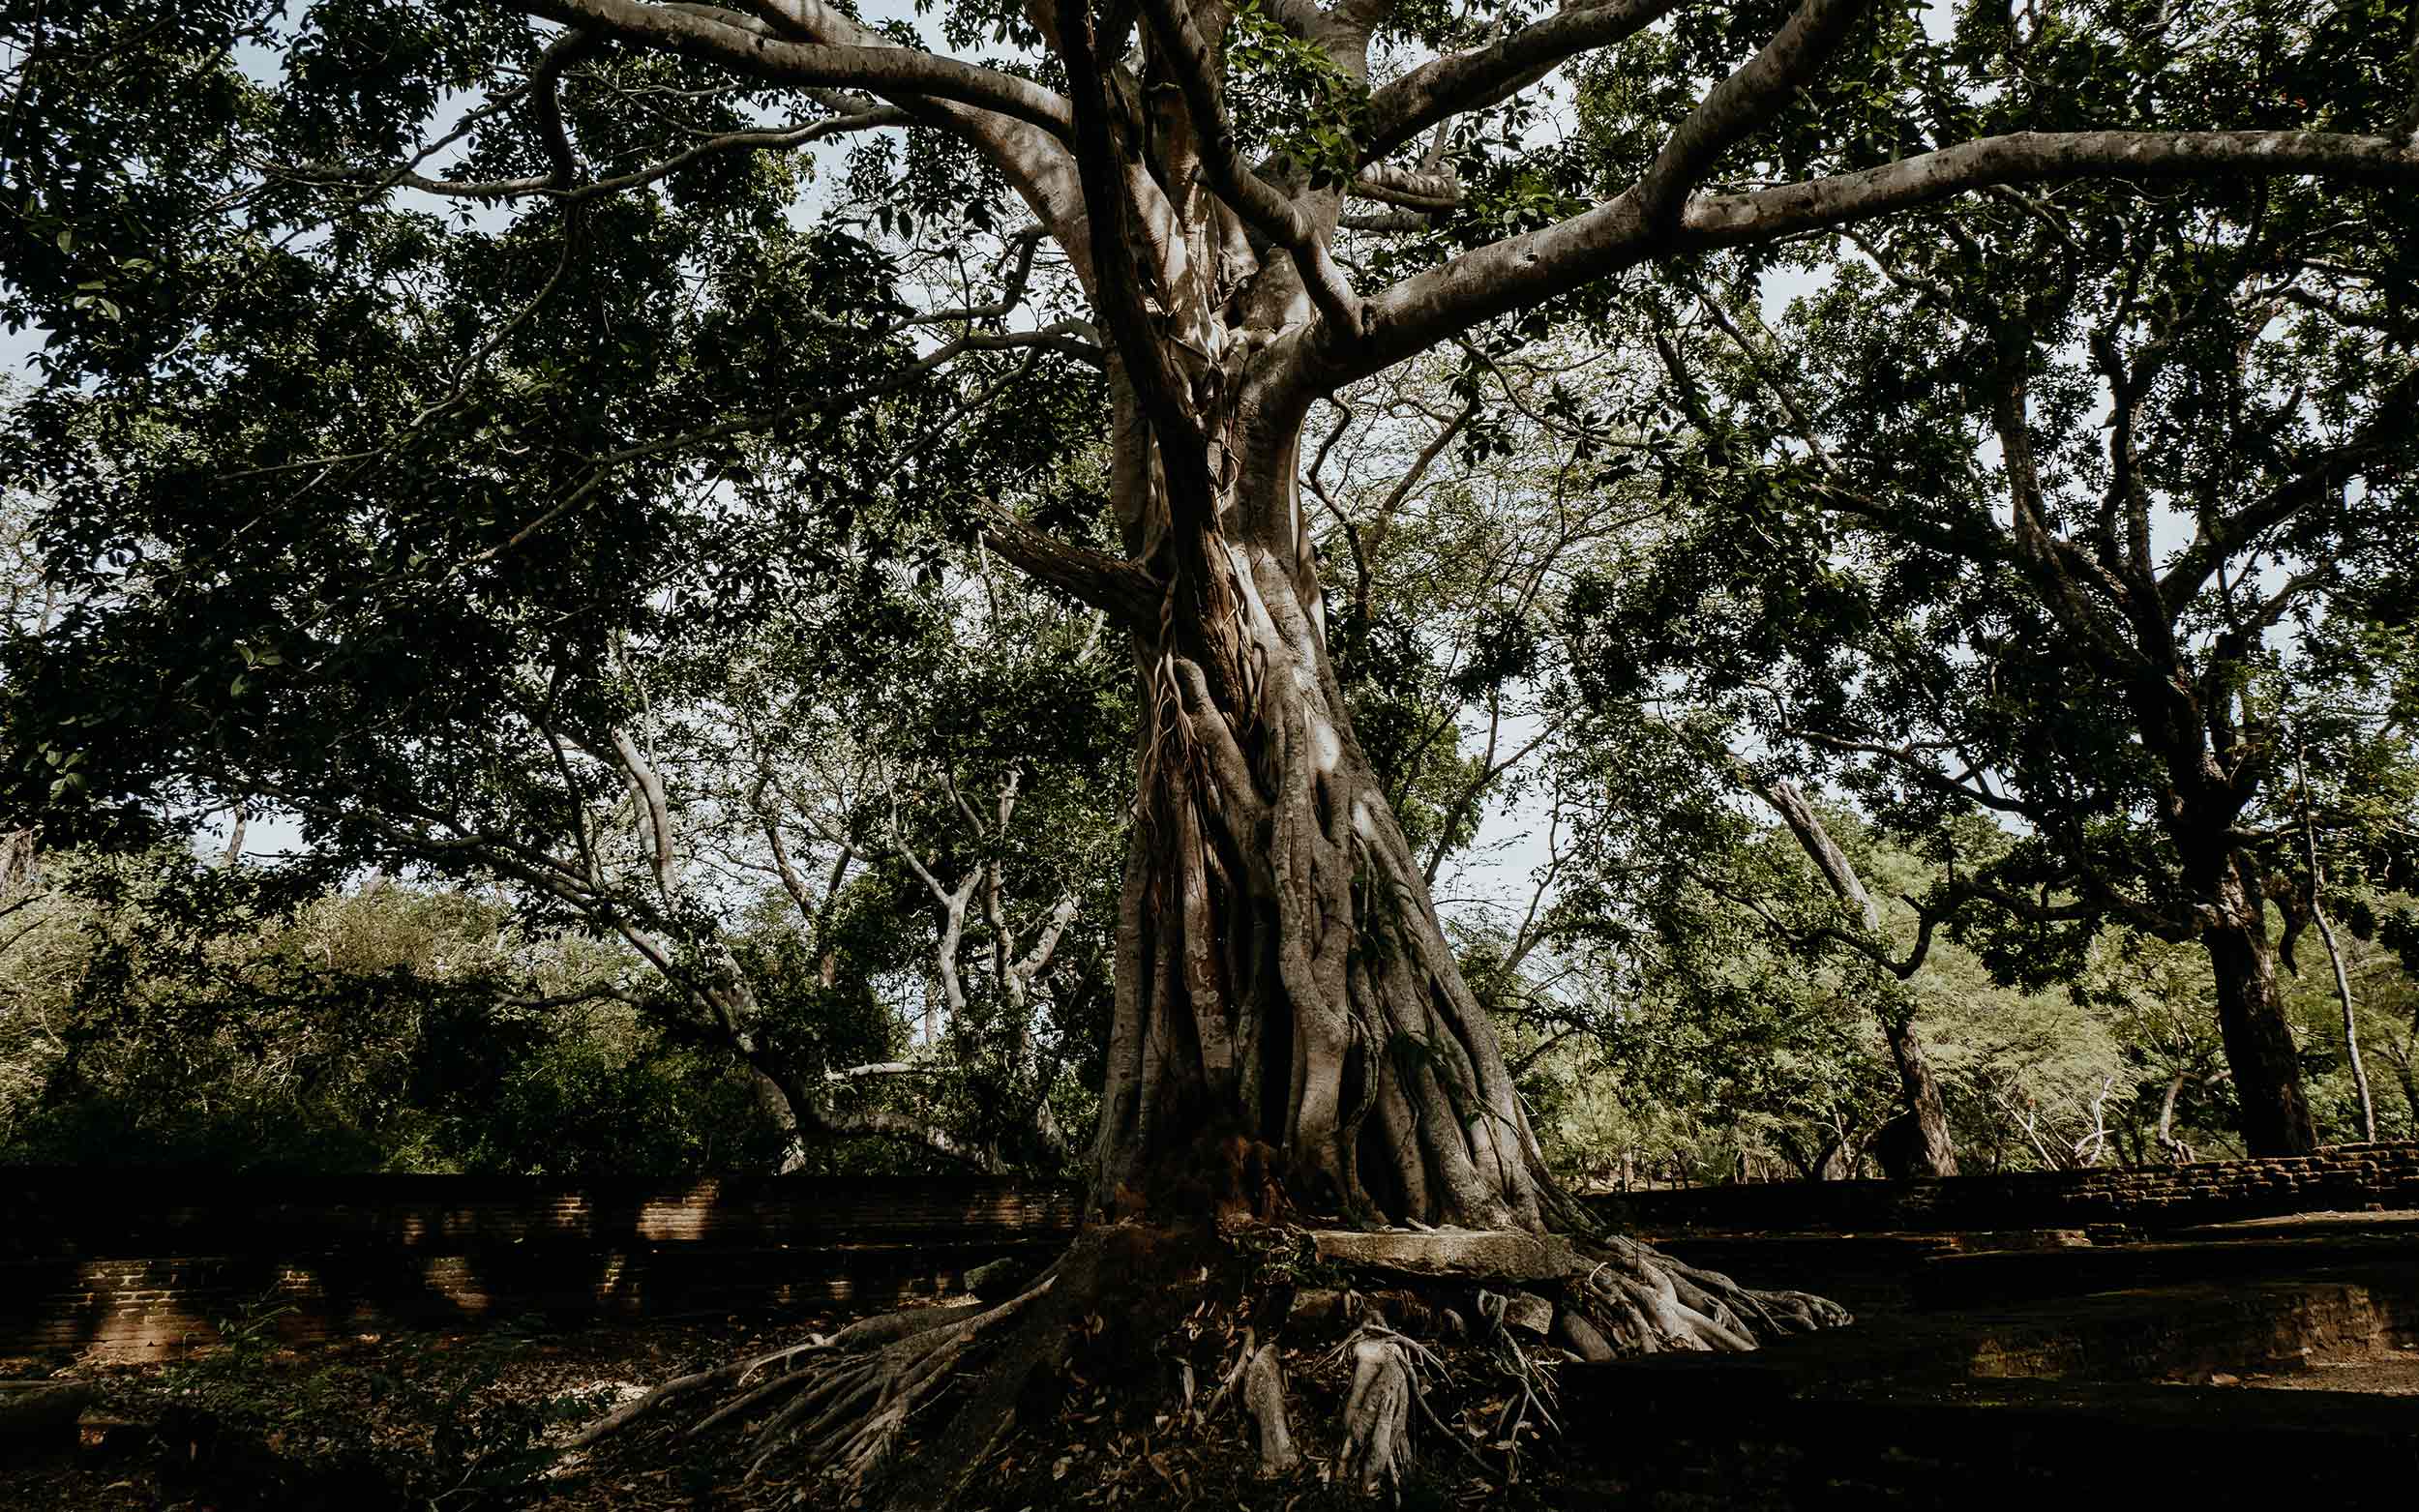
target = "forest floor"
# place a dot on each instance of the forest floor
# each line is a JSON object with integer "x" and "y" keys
{"x": 467, "y": 1423}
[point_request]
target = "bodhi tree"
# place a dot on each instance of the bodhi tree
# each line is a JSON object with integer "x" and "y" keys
{"x": 489, "y": 282}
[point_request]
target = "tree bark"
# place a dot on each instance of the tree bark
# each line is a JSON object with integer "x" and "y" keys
{"x": 1282, "y": 976}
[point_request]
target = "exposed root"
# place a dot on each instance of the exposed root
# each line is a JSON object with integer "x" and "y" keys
{"x": 1642, "y": 1302}
{"x": 1264, "y": 1400}
{"x": 1377, "y": 1415}
{"x": 637, "y": 1408}
{"x": 848, "y": 1418}
{"x": 1532, "y": 1393}
{"x": 863, "y": 1334}
{"x": 1130, "y": 1305}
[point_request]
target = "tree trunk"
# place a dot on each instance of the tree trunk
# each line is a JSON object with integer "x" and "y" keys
{"x": 2275, "y": 1116}
{"x": 1291, "y": 1035}
{"x": 1282, "y": 977}
{"x": 2352, "y": 1029}
{"x": 1932, "y": 1153}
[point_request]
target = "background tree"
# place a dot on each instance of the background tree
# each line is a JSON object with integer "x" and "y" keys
{"x": 2063, "y": 578}
{"x": 153, "y": 1012}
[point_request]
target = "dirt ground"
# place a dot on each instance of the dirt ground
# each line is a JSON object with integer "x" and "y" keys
{"x": 465, "y": 1423}
{"x": 331, "y": 1425}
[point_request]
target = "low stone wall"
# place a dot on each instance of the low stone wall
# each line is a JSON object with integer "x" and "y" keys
{"x": 136, "y": 1265}
{"x": 2350, "y": 1177}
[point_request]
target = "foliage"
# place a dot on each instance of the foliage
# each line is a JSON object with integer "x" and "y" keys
{"x": 375, "y": 1030}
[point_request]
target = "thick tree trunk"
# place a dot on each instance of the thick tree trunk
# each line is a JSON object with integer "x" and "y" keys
{"x": 2258, "y": 1041}
{"x": 1282, "y": 976}
{"x": 1292, "y": 1038}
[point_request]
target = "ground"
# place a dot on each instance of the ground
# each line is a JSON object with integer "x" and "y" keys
{"x": 2010, "y": 1351}
{"x": 355, "y": 1424}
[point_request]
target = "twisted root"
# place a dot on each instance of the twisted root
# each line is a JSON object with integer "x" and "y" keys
{"x": 841, "y": 1400}
{"x": 1642, "y": 1302}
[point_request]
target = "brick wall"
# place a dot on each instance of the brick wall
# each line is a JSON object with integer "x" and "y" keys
{"x": 2346, "y": 1176}
{"x": 137, "y": 1265}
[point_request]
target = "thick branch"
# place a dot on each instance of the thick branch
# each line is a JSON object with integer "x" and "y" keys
{"x": 1260, "y": 204}
{"x": 1119, "y": 589}
{"x": 1747, "y": 100}
{"x": 1522, "y": 271}
{"x": 1815, "y": 841}
{"x": 1467, "y": 81}
{"x": 902, "y": 74}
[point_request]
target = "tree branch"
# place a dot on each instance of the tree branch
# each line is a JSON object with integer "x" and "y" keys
{"x": 1521, "y": 271}
{"x": 1747, "y": 100}
{"x": 649, "y": 787}
{"x": 745, "y": 46}
{"x": 1466, "y": 81}
{"x": 1120, "y": 589}
{"x": 1258, "y": 202}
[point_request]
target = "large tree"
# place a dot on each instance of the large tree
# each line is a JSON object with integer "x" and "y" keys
{"x": 2087, "y": 576}
{"x": 225, "y": 218}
